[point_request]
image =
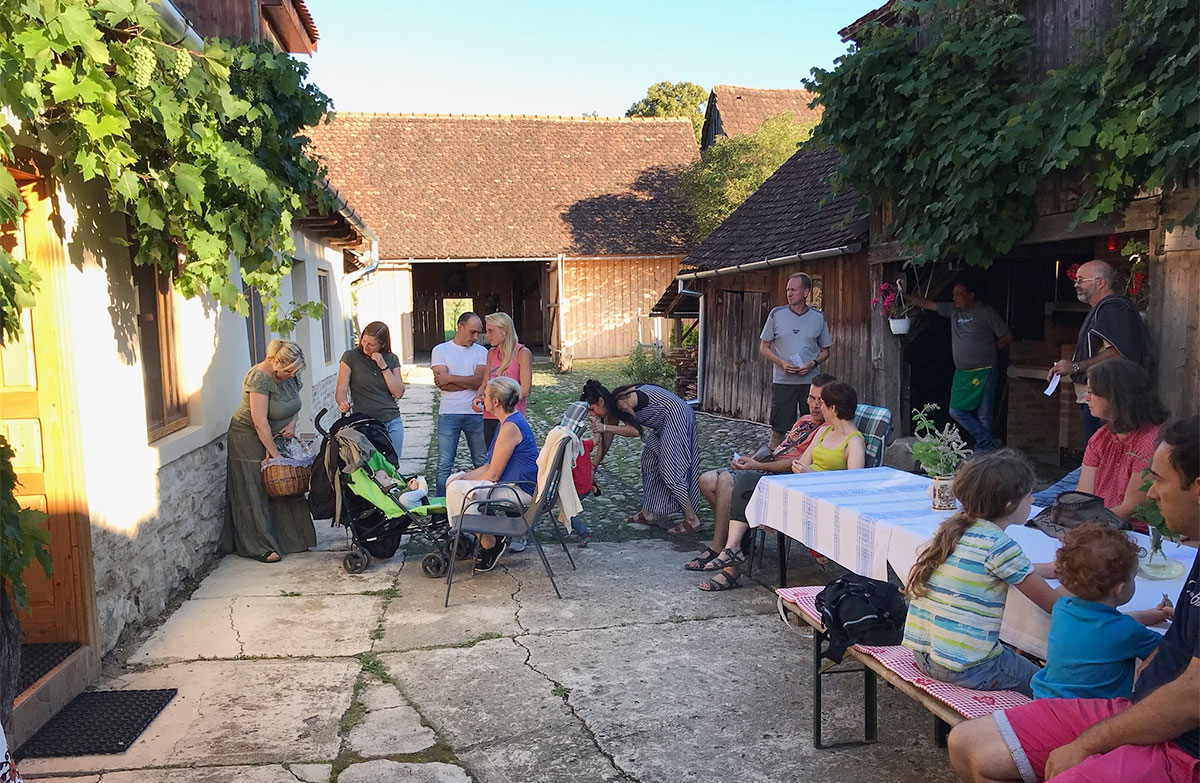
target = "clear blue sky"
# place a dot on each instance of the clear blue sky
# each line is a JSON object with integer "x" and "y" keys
{"x": 562, "y": 56}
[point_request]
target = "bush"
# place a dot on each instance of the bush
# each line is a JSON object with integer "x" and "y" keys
{"x": 646, "y": 365}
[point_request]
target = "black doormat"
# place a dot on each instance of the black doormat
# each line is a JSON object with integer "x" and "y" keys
{"x": 96, "y": 723}
{"x": 37, "y": 659}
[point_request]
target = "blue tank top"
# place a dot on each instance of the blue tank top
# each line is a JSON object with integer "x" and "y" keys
{"x": 522, "y": 463}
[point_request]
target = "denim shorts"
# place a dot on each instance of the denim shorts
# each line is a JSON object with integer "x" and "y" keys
{"x": 1008, "y": 671}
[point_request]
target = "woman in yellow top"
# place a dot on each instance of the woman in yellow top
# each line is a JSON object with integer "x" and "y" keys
{"x": 838, "y": 445}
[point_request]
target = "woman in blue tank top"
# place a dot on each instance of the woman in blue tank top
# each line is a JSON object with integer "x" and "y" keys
{"x": 511, "y": 458}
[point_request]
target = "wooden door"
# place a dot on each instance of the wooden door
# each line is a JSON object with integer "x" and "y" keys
{"x": 39, "y": 425}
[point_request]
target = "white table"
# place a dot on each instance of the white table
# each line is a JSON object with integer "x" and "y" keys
{"x": 866, "y": 520}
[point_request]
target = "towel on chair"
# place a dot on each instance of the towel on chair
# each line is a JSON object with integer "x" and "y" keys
{"x": 568, "y": 499}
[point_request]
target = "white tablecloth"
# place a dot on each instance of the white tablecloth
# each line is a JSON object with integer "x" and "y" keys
{"x": 866, "y": 520}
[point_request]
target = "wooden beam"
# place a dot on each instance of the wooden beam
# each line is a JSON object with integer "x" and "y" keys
{"x": 286, "y": 22}
{"x": 1141, "y": 215}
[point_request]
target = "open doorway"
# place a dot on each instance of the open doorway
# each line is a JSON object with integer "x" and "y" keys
{"x": 451, "y": 310}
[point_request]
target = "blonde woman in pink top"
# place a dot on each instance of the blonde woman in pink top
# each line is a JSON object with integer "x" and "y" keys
{"x": 506, "y": 358}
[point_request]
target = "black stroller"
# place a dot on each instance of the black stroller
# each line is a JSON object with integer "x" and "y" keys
{"x": 367, "y": 499}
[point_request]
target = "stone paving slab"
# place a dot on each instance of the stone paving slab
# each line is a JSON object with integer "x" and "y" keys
{"x": 396, "y": 772}
{"x": 391, "y": 727}
{"x": 322, "y": 626}
{"x": 307, "y": 573}
{"x": 239, "y": 774}
{"x": 243, "y": 712}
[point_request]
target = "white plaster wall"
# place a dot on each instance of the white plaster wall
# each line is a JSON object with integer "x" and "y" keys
{"x": 387, "y": 295}
{"x": 319, "y": 376}
{"x": 157, "y": 508}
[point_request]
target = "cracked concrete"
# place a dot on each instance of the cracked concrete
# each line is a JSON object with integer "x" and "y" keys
{"x": 635, "y": 675}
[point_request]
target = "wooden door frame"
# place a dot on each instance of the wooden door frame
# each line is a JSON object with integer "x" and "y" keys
{"x": 54, "y": 690}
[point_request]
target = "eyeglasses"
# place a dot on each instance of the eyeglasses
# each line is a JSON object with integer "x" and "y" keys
{"x": 1079, "y": 280}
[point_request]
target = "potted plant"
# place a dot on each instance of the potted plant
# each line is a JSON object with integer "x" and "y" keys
{"x": 890, "y": 302}
{"x": 939, "y": 452}
{"x": 1155, "y": 564}
{"x": 22, "y": 540}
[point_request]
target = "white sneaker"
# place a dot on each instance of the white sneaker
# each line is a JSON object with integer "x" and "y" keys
{"x": 516, "y": 544}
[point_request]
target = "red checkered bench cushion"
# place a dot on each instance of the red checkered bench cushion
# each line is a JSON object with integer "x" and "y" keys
{"x": 967, "y": 702}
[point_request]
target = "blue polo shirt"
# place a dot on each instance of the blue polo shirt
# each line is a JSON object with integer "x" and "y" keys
{"x": 1091, "y": 652}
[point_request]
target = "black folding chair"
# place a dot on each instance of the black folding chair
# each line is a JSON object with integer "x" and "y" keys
{"x": 494, "y": 509}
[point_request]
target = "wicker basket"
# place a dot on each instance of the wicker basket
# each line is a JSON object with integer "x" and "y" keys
{"x": 282, "y": 481}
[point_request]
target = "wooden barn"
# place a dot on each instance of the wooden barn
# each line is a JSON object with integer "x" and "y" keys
{"x": 792, "y": 223}
{"x": 570, "y": 225}
{"x": 733, "y": 111}
{"x": 1031, "y": 288}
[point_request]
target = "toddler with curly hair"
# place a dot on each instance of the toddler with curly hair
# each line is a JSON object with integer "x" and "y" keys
{"x": 1092, "y": 646}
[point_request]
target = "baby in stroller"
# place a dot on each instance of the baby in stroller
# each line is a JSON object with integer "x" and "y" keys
{"x": 357, "y": 485}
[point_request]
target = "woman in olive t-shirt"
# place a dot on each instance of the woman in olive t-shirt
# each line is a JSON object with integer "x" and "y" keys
{"x": 371, "y": 373}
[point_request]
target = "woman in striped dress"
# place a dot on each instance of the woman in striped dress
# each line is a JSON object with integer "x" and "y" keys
{"x": 667, "y": 426}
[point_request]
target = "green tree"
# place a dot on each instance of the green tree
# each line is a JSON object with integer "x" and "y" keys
{"x": 673, "y": 99}
{"x": 733, "y": 168}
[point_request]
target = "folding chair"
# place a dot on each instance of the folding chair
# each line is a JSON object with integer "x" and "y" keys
{"x": 486, "y": 511}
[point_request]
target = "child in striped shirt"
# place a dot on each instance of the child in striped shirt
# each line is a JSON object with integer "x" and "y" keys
{"x": 960, "y": 582}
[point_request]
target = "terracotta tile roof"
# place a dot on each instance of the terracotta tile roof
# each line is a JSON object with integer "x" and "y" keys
{"x": 306, "y": 19}
{"x": 742, "y": 109}
{"x": 456, "y": 186}
{"x": 794, "y": 211}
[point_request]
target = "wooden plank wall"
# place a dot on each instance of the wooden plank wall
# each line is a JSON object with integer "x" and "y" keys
{"x": 1175, "y": 309}
{"x": 737, "y": 380}
{"x": 602, "y": 298}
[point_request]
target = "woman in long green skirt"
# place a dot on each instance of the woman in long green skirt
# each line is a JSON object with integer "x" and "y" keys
{"x": 257, "y": 525}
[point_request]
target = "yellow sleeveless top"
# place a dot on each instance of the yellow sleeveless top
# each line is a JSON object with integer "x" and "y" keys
{"x": 824, "y": 458}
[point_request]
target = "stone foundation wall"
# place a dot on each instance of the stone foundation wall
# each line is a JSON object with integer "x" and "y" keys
{"x": 322, "y": 397}
{"x": 136, "y": 577}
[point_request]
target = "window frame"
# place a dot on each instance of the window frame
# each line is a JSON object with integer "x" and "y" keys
{"x": 158, "y": 339}
{"x": 323, "y": 293}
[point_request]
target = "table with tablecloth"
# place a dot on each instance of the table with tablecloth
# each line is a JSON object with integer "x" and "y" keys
{"x": 867, "y": 520}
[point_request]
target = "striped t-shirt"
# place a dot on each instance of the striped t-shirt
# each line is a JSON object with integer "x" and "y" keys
{"x": 957, "y": 624}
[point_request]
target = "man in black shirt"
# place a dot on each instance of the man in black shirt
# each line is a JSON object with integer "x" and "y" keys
{"x": 1156, "y": 737}
{"x": 1112, "y": 328}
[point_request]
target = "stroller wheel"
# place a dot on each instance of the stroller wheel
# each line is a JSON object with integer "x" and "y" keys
{"x": 356, "y": 561}
{"x": 434, "y": 565}
{"x": 466, "y": 545}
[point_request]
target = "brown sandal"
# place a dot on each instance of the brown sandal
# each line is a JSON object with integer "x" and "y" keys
{"x": 683, "y": 528}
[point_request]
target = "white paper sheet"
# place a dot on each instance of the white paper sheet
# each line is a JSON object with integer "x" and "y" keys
{"x": 1053, "y": 385}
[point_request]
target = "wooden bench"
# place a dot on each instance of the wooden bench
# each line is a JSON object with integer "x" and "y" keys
{"x": 949, "y": 704}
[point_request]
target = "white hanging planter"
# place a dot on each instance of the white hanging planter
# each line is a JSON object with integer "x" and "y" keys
{"x": 900, "y": 325}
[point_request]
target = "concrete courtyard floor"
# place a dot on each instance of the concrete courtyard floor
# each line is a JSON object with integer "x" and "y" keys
{"x": 301, "y": 672}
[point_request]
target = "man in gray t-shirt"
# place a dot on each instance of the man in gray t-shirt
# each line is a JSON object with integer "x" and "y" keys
{"x": 796, "y": 340}
{"x": 977, "y": 332}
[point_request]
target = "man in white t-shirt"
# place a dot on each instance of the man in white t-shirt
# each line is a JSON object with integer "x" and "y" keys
{"x": 459, "y": 366}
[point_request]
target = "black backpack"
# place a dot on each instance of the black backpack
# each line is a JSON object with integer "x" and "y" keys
{"x": 858, "y": 610}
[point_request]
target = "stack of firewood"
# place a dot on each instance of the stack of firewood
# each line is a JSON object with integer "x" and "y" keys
{"x": 684, "y": 362}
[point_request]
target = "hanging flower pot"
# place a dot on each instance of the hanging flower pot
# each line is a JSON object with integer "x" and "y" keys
{"x": 900, "y": 325}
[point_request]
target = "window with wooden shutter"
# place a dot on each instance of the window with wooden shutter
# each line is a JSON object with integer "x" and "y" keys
{"x": 256, "y": 325}
{"x": 326, "y": 325}
{"x": 166, "y": 400}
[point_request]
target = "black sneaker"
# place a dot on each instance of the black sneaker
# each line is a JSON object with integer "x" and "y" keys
{"x": 489, "y": 557}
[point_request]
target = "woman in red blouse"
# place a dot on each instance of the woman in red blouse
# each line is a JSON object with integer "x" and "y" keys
{"x": 1120, "y": 395}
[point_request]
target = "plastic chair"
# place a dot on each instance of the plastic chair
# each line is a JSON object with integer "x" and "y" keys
{"x": 504, "y": 517}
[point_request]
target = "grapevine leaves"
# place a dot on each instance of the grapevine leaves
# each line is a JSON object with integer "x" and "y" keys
{"x": 202, "y": 150}
{"x": 956, "y": 139}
